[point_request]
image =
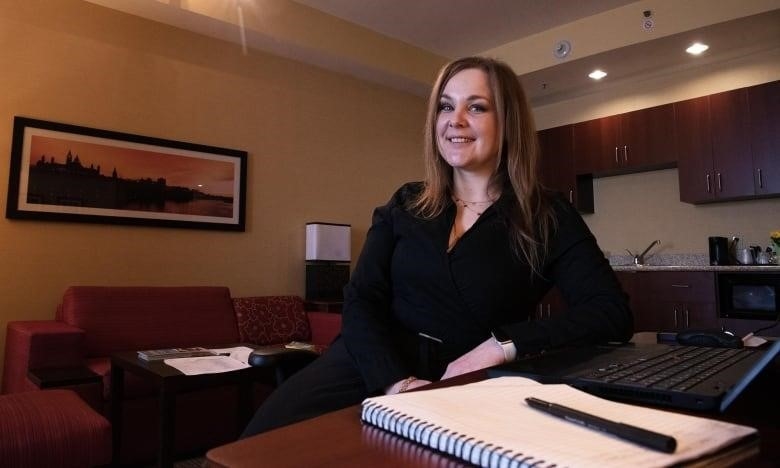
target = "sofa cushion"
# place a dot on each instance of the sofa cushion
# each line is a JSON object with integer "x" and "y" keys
{"x": 118, "y": 318}
{"x": 271, "y": 319}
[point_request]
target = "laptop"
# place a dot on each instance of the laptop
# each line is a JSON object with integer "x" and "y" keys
{"x": 686, "y": 377}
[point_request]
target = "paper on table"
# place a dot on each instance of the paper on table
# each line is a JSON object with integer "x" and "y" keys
{"x": 229, "y": 359}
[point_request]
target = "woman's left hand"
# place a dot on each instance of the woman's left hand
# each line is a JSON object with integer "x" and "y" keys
{"x": 487, "y": 354}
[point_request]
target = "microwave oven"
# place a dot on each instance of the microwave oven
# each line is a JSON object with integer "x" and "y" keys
{"x": 748, "y": 295}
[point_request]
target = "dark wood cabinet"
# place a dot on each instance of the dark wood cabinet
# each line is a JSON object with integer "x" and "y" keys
{"x": 645, "y": 135}
{"x": 764, "y": 103}
{"x": 728, "y": 145}
{"x": 630, "y": 142}
{"x": 556, "y": 162}
{"x": 675, "y": 316}
{"x": 694, "y": 146}
{"x": 731, "y": 155}
{"x": 627, "y": 280}
{"x": 675, "y": 300}
{"x": 588, "y": 147}
{"x": 670, "y": 301}
{"x": 556, "y": 168}
{"x": 552, "y": 304}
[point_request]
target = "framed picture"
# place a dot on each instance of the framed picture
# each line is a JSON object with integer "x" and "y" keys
{"x": 62, "y": 172}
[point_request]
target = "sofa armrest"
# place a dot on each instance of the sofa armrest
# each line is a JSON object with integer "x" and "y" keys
{"x": 54, "y": 377}
{"x": 39, "y": 344}
{"x": 325, "y": 327}
{"x": 281, "y": 360}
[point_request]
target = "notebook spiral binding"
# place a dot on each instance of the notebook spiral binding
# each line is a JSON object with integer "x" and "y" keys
{"x": 453, "y": 443}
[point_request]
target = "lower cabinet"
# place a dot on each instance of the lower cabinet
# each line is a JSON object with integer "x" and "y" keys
{"x": 551, "y": 305}
{"x": 674, "y": 316}
{"x": 671, "y": 300}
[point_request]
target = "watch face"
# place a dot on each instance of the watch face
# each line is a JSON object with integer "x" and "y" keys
{"x": 501, "y": 337}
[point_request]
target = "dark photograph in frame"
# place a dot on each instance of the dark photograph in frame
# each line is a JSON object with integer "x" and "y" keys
{"x": 63, "y": 172}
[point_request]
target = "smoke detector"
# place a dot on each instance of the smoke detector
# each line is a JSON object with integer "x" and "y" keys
{"x": 647, "y": 20}
{"x": 562, "y": 49}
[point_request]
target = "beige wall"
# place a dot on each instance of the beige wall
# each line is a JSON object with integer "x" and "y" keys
{"x": 633, "y": 210}
{"x": 322, "y": 147}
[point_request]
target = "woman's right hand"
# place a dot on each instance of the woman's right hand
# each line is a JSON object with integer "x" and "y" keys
{"x": 396, "y": 387}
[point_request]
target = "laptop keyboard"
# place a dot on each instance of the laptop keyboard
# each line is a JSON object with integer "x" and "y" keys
{"x": 678, "y": 369}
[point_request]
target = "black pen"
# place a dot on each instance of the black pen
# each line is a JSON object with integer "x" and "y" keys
{"x": 634, "y": 434}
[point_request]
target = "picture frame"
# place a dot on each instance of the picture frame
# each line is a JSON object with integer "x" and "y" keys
{"x": 64, "y": 172}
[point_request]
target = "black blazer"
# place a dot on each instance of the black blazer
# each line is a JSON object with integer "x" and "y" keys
{"x": 405, "y": 283}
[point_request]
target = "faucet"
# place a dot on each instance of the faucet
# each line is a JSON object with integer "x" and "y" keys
{"x": 640, "y": 259}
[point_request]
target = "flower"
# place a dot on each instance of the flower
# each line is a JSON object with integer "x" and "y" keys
{"x": 775, "y": 236}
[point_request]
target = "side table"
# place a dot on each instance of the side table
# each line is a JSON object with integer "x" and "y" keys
{"x": 170, "y": 383}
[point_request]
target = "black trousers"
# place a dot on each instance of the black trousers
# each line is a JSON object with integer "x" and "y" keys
{"x": 329, "y": 383}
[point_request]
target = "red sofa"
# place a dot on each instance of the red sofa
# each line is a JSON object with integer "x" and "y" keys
{"x": 92, "y": 322}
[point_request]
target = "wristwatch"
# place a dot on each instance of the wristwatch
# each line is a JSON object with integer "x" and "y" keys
{"x": 507, "y": 345}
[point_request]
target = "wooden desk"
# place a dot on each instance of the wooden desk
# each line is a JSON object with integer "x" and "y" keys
{"x": 335, "y": 439}
{"x": 340, "y": 439}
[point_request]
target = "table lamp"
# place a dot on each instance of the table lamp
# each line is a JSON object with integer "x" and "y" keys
{"x": 327, "y": 261}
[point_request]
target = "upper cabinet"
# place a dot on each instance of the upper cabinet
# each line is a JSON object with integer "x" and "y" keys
{"x": 728, "y": 145}
{"x": 645, "y": 135}
{"x": 556, "y": 168}
{"x": 764, "y": 103}
{"x": 631, "y": 142}
{"x": 589, "y": 147}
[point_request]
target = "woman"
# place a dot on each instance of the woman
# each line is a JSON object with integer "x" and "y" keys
{"x": 452, "y": 268}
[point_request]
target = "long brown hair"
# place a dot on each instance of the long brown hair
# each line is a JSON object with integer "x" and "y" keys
{"x": 531, "y": 220}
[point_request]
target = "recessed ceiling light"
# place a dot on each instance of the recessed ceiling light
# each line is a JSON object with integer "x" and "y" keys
{"x": 697, "y": 48}
{"x": 597, "y": 74}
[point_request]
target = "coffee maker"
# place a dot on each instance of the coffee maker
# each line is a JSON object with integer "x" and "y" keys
{"x": 719, "y": 251}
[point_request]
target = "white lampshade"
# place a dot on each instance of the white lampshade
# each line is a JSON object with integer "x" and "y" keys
{"x": 328, "y": 242}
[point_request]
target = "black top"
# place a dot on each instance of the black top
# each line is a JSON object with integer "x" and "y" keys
{"x": 405, "y": 282}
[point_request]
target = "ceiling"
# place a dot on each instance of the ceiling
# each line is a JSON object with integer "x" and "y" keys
{"x": 401, "y": 43}
{"x": 666, "y": 55}
{"x": 456, "y": 28}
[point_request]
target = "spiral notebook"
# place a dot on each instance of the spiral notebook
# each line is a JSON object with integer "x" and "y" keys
{"x": 489, "y": 424}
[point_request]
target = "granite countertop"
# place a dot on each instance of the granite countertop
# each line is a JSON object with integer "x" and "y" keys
{"x": 682, "y": 262}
